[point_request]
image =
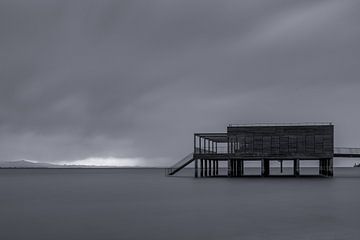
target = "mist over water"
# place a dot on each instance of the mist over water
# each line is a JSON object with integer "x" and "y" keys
{"x": 144, "y": 204}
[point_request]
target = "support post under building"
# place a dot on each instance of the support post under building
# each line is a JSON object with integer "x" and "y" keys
{"x": 296, "y": 167}
{"x": 201, "y": 167}
{"x": 266, "y": 167}
{"x": 196, "y": 168}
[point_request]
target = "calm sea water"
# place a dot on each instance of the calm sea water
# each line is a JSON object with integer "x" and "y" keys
{"x": 144, "y": 204}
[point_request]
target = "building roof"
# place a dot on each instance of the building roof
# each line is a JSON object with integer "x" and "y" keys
{"x": 280, "y": 124}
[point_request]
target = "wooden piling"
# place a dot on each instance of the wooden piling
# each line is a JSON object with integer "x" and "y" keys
{"x": 296, "y": 167}
{"x": 196, "y": 168}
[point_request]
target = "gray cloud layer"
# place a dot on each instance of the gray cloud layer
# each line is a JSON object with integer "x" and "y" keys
{"x": 135, "y": 79}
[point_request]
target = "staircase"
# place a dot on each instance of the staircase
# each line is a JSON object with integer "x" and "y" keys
{"x": 179, "y": 165}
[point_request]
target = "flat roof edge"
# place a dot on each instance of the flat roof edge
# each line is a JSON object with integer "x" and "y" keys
{"x": 280, "y": 124}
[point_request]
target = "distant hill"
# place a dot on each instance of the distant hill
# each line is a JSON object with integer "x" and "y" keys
{"x": 29, "y": 164}
{"x": 26, "y": 164}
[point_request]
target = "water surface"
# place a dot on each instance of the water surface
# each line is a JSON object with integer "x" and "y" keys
{"x": 105, "y": 204}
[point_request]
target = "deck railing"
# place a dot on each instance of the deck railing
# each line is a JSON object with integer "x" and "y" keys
{"x": 343, "y": 150}
{"x": 218, "y": 150}
{"x": 224, "y": 150}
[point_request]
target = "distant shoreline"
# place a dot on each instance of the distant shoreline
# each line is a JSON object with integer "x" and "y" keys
{"x": 98, "y": 167}
{"x": 82, "y": 167}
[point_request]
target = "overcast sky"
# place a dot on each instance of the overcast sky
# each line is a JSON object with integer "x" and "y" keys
{"x": 129, "y": 82}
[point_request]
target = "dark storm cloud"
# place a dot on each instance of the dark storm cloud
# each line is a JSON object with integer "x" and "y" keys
{"x": 135, "y": 79}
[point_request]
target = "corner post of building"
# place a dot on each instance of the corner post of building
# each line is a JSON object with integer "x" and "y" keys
{"x": 262, "y": 167}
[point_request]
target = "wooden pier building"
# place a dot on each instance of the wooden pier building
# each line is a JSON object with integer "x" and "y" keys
{"x": 264, "y": 143}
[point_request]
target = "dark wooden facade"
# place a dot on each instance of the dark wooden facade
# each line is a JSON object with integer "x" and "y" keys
{"x": 281, "y": 142}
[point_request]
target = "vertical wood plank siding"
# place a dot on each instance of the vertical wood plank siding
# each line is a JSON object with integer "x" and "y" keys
{"x": 303, "y": 142}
